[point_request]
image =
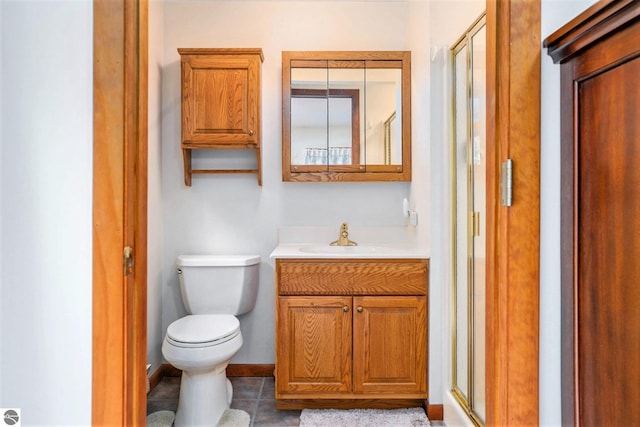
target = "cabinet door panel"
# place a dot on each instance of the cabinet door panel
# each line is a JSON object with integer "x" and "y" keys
{"x": 390, "y": 344}
{"x": 220, "y": 101}
{"x": 314, "y": 346}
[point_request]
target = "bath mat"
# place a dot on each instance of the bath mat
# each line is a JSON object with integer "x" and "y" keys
{"x": 234, "y": 418}
{"x": 161, "y": 419}
{"x": 409, "y": 417}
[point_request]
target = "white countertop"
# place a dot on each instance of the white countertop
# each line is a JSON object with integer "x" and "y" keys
{"x": 373, "y": 242}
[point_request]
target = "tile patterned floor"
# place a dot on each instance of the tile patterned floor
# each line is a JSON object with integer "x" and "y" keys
{"x": 255, "y": 395}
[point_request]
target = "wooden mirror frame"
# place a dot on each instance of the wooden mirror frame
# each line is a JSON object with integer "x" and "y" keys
{"x": 363, "y": 172}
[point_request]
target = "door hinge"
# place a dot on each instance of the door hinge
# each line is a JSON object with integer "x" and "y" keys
{"x": 506, "y": 183}
{"x": 127, "y": 260}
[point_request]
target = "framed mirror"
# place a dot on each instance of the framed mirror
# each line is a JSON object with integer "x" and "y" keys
{"x": 346, "y": 116}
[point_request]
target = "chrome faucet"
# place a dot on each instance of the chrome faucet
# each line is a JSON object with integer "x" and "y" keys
{"x": 343, "y": 240}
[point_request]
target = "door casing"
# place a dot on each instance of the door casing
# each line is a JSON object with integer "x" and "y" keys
{"x": 513, "y": 233}
{"x": 120, "y": 212}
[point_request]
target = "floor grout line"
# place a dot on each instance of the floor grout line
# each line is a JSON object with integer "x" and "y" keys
{"x": 261, "y": 388}
{"x": 257, "y": 405}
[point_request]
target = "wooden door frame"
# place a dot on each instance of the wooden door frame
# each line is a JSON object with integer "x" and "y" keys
{"x": 513, "y": 233}
{"x": 119, "y": 212}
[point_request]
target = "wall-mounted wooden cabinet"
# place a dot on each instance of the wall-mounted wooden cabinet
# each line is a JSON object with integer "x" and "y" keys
{"x": 352, "y": 331}
{"x": 220, "y": 104}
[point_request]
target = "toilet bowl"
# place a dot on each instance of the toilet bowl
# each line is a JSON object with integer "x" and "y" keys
{"x": 201, "y": 344}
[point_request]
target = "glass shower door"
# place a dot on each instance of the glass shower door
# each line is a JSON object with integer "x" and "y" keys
{"x": 469, "y": 207}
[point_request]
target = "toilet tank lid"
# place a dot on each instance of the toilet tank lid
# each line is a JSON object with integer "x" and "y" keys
{"x": 217, "y": 260}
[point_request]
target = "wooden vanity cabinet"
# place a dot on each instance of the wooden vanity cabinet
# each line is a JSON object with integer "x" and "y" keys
{"x": 220, "y": 104}
{"x": 351, "y": 331}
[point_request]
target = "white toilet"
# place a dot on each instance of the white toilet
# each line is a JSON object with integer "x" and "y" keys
{"x": 215, "y": 288}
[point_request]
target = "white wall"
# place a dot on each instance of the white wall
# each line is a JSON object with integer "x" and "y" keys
{"x": 421, "y": 185}
{"x": 555, "y": 13}
{"x": 155, "y": 332}
{"x": 2, "y": 37}
{"x": 46, "y": 198}
{"x": 233, "y": 214}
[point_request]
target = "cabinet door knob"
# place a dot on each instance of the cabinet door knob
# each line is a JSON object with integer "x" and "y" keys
{"x": 250, "y": 132}
{"x": 345, "y": 308}
{"x": 359, "y": 309}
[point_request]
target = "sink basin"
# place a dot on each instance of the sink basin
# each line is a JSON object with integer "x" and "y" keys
{"x": 360, "y": 249}
{"x": 307, "y": 243}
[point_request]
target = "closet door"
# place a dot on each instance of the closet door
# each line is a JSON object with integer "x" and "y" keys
{"x": 608, "y": 246}
{"x": 601, "y": 220}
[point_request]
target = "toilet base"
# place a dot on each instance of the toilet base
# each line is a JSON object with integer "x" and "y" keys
{"x": 204, "y": 396}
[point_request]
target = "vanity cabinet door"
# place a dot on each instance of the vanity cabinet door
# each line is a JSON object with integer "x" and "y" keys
{"x": 390, "y": 345}
{"x": 314, "y": 345}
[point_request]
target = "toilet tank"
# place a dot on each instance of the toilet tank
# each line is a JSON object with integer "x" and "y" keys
{"x": 218, "y": 284}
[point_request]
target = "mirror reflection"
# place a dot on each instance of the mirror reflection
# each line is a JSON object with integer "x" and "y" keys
{"x": 384, "y": 111}
{"x": 345, "y": 115}
{"x": 321, "y": 118}
{"x": 326, "y": 118}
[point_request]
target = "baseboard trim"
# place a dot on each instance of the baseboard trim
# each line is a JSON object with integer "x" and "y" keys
{"x": 246, "y": 370}
{"x": 162, "y": 371}
{"x": 233, "y": 370}
{"x": 435, "y": 412}
{"x": 170, "y": 371}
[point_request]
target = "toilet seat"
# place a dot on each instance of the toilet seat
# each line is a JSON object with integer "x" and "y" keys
{"x": 203, "y": 330}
